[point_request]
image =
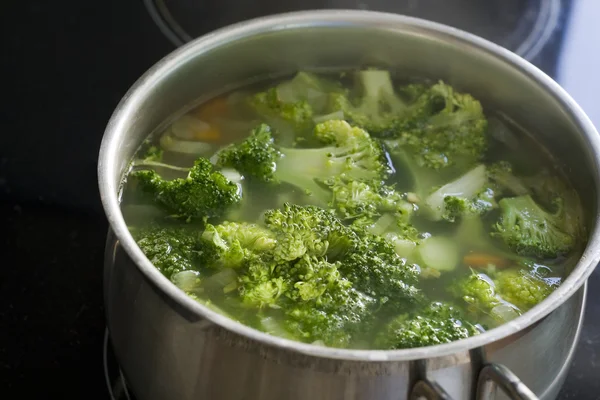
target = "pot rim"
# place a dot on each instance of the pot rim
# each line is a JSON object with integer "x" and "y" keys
{"x": 128, "y": 107}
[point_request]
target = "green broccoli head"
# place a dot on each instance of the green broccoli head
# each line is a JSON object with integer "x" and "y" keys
{"x": 170, "y": 249}
{"x": 503, "y": 295}
{"x": 349, "y": 152}
{"x": 301, "y": 230}
{"x": 439, "y": 323}
{"x": 288, "y": 118}
{"x": 456, "y": 207}
{"x": 378, "y": 271}
{"x": 310, "y": 88}
{"x": 478, "y": 292}
{"x": 377, "y": 108}
{"x": 260, "y": 286}
{"x": 530, "y": 230}
{"x": 153, "y": 154}
{"x": 255, "y": 157}
{"x": 356, "y": 199}
{"x": 326, "y": 306}
{"x": 203, "y": 193}
{"x": 232, "y": 244}
{"x": 523, "y": 288}
{"x": 442, "y": 127}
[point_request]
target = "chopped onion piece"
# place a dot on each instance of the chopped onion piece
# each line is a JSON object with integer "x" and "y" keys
{"x": 505, "y": 312}
{"x": 232, "y": 175}
{"x": 170, "y": 143}
{"x": 188, "y": 281}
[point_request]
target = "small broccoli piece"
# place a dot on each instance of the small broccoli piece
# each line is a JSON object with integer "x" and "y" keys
{"x": 315, "y": 301}
{"x": 203, "y": 193}
{"x": 309, "y": 88}
{"x": 170, "y": 249}
{"x": 256, "y": 156}
{"x": 456, "y": 207}
{"x": 529, "y": 230}
{"x": 153, "y": 153}
{"x": 233, "y": 243}
{"x": 301, "y": 230}
{"x": 378, "y": 106}
{"x": 325, "y": 307}
{"x": 356, "y": 199}
{"x": 466, "y": 195}
{"x": 288, "y": 119}
{"x": 503, "y": 295}
{"x": 350, "y": 152}
{"x": 260, "y": 286}
{"x": 442, "y": 127}
{"x": 439, "y": 323}
{"x": 378, "y": 271}
{"x": 522, "y": 288}
{"x": 368, "y": 261}
{"x": 294, "y": 106}
{"x": 478, "y": 291}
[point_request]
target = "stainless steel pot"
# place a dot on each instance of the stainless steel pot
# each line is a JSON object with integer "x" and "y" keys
{"x": 171, "y": 347}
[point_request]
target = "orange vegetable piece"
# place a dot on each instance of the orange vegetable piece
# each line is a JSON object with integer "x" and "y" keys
{"x": 481, "y": 260}
{"x": 213, "y": 109}
{"x": 211, "y": 134}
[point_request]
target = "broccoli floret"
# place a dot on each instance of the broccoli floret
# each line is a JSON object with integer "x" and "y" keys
{"x": 260, "y": 285}
{"x": 314, "y": 300}
{"x": 439, "y": 323}
{"x": 378, "y": 107}
{"x": 233, "y": 243}
{"x": 350, "y": 152}
{"x": 529, "y": 230}
{"x": 153, "y": 153}
{"x": 170, "y": 249}
{"x": 502, "y": 295}
{"x": 256, "y": 156}
{"x": 442, "y": 127}
{"x": 324, "y": 305}
{"x": 310, "y": 88}
{"x": 203, "y": 193}
{"x": 293, "y": 106}
{"x": 368, "y": 261}
{"x": 311, "y": 230}
{"x": 378, "y": 271}
{"x": 522, "y": 288}
{"x": 478, "y": 291}
{"x": 357, "y": 199}
{"x": 467, "y": 195}
{"x": 288, "y": 119}
{"x": 334, "y": 324}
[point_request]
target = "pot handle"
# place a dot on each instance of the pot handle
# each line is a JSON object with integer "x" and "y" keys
{"x": 426, "y": 389}
{"x": 491, "y": 376}
{"x": 497, "y": 375}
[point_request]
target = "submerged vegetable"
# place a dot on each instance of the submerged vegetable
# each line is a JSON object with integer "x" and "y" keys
{"x": 368, "y": 215}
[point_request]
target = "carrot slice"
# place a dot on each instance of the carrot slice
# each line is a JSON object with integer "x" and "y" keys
{"x": 481, "y": 260}
{"x": 211, "y": 134}
{"x": 212, "y": 109}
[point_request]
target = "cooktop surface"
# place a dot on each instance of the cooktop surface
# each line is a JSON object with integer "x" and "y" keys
{"x": 69, "y": 63}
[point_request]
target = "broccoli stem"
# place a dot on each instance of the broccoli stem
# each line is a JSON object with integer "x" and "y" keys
{"x": 157, "y": 164}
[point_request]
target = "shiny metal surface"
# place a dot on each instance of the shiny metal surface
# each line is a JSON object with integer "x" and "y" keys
{"x": 169, "y": 346}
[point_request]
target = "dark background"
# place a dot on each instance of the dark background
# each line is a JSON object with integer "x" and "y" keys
{"x": 66, "y": 65}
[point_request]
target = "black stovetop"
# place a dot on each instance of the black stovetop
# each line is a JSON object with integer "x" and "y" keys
{"x": 66, "y": 65}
